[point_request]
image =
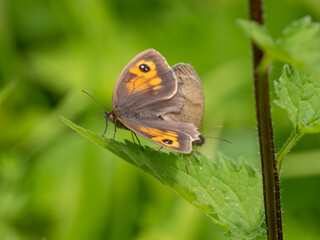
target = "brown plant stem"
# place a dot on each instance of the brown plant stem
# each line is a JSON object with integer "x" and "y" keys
{"x": 268, "y": 164}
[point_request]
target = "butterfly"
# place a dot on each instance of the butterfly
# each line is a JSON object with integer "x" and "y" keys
{"x": 147, "y": 89}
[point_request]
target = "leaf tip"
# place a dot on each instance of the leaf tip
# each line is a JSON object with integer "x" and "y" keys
{"x": 64, "y": 119}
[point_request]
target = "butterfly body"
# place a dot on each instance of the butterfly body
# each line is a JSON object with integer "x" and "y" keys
{"x": 146, "y": 89}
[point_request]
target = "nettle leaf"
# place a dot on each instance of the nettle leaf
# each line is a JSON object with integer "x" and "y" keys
{"x": 257, "y": 32}
{"x": 299, "y": 44}
{"x": 260, "y": 35}
{"x": 228, "y": 192}
{"x": 302, "y": 40}
{"x": 299, "y": 95}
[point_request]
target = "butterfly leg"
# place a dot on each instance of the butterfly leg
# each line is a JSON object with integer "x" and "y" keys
{"x": 105, "y": 130}
{"x": 115, "y": 130}
{"x": 133, "y": 138}
{"x": 189, "y": 160}
{"x": 156, "y": 151}
{"x": 138, "y": 141}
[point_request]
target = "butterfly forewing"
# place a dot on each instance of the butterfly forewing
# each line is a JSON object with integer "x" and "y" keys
{"x": 145, "y": 80}
{"x": 172, "y": 105}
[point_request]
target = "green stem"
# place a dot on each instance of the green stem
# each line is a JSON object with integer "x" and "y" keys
{"x": 295, "y": 136}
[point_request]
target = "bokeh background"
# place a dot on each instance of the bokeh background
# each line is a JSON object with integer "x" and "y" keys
{"x": 54, "y": 184}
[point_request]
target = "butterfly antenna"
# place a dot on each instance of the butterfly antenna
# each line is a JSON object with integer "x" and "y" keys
{"x": 95, "y": 99}
{"x": 220, "y": 126}
{"x": 221, "y": 139}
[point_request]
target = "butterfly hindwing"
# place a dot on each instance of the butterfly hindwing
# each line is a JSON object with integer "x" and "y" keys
{"x": 176, "y": 136}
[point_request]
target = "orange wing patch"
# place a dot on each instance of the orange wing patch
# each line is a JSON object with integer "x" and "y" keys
{"x": 145, "y": 77}
{"x": 167, "y": 138}
{"x": 156, "y": 88}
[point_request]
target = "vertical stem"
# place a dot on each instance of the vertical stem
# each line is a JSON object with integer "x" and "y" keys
{"x": 268, "y": 164}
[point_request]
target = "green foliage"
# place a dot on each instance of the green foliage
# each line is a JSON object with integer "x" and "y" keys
{"x": 7, "y": 90}
{"x": 56, "y": 185}
{"x": 299, "y": 94}
{"x": 228, "y": 192}
{"x": 297, "y": 90}
{"x": 298, "y": 45}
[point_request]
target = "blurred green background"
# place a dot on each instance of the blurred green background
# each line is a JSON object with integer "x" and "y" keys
{"x": 54, "y": 184}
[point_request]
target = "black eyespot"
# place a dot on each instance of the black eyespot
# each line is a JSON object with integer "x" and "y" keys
{"x": 167, "y": 141}
{"x": 144, "y": 68}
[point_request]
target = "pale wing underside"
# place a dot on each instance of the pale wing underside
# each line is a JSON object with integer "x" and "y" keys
{"x": 190, "y": 86}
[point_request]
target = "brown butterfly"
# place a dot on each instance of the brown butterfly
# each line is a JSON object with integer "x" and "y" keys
{"x": 146, "y": 89}
{"x": 190, "y": 86}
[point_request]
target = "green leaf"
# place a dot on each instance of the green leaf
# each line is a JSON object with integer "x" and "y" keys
{"x": 259, "y": 34}
{"x": 299, "y": 94}
{"x": 261, "y": 37}
{"x": 299, "y": 45}
{"x": 302, "y": 40}
{"x": 228, "y": 192}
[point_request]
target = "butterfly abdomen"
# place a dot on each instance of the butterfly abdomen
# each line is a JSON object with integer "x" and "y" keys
{"x": 200, "y": 141}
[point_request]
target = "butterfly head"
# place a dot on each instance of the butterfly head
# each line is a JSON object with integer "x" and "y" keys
{"x": 110, "y": 116}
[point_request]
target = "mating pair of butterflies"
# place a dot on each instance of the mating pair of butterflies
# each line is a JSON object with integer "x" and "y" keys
{"x": 161, "y": 104}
